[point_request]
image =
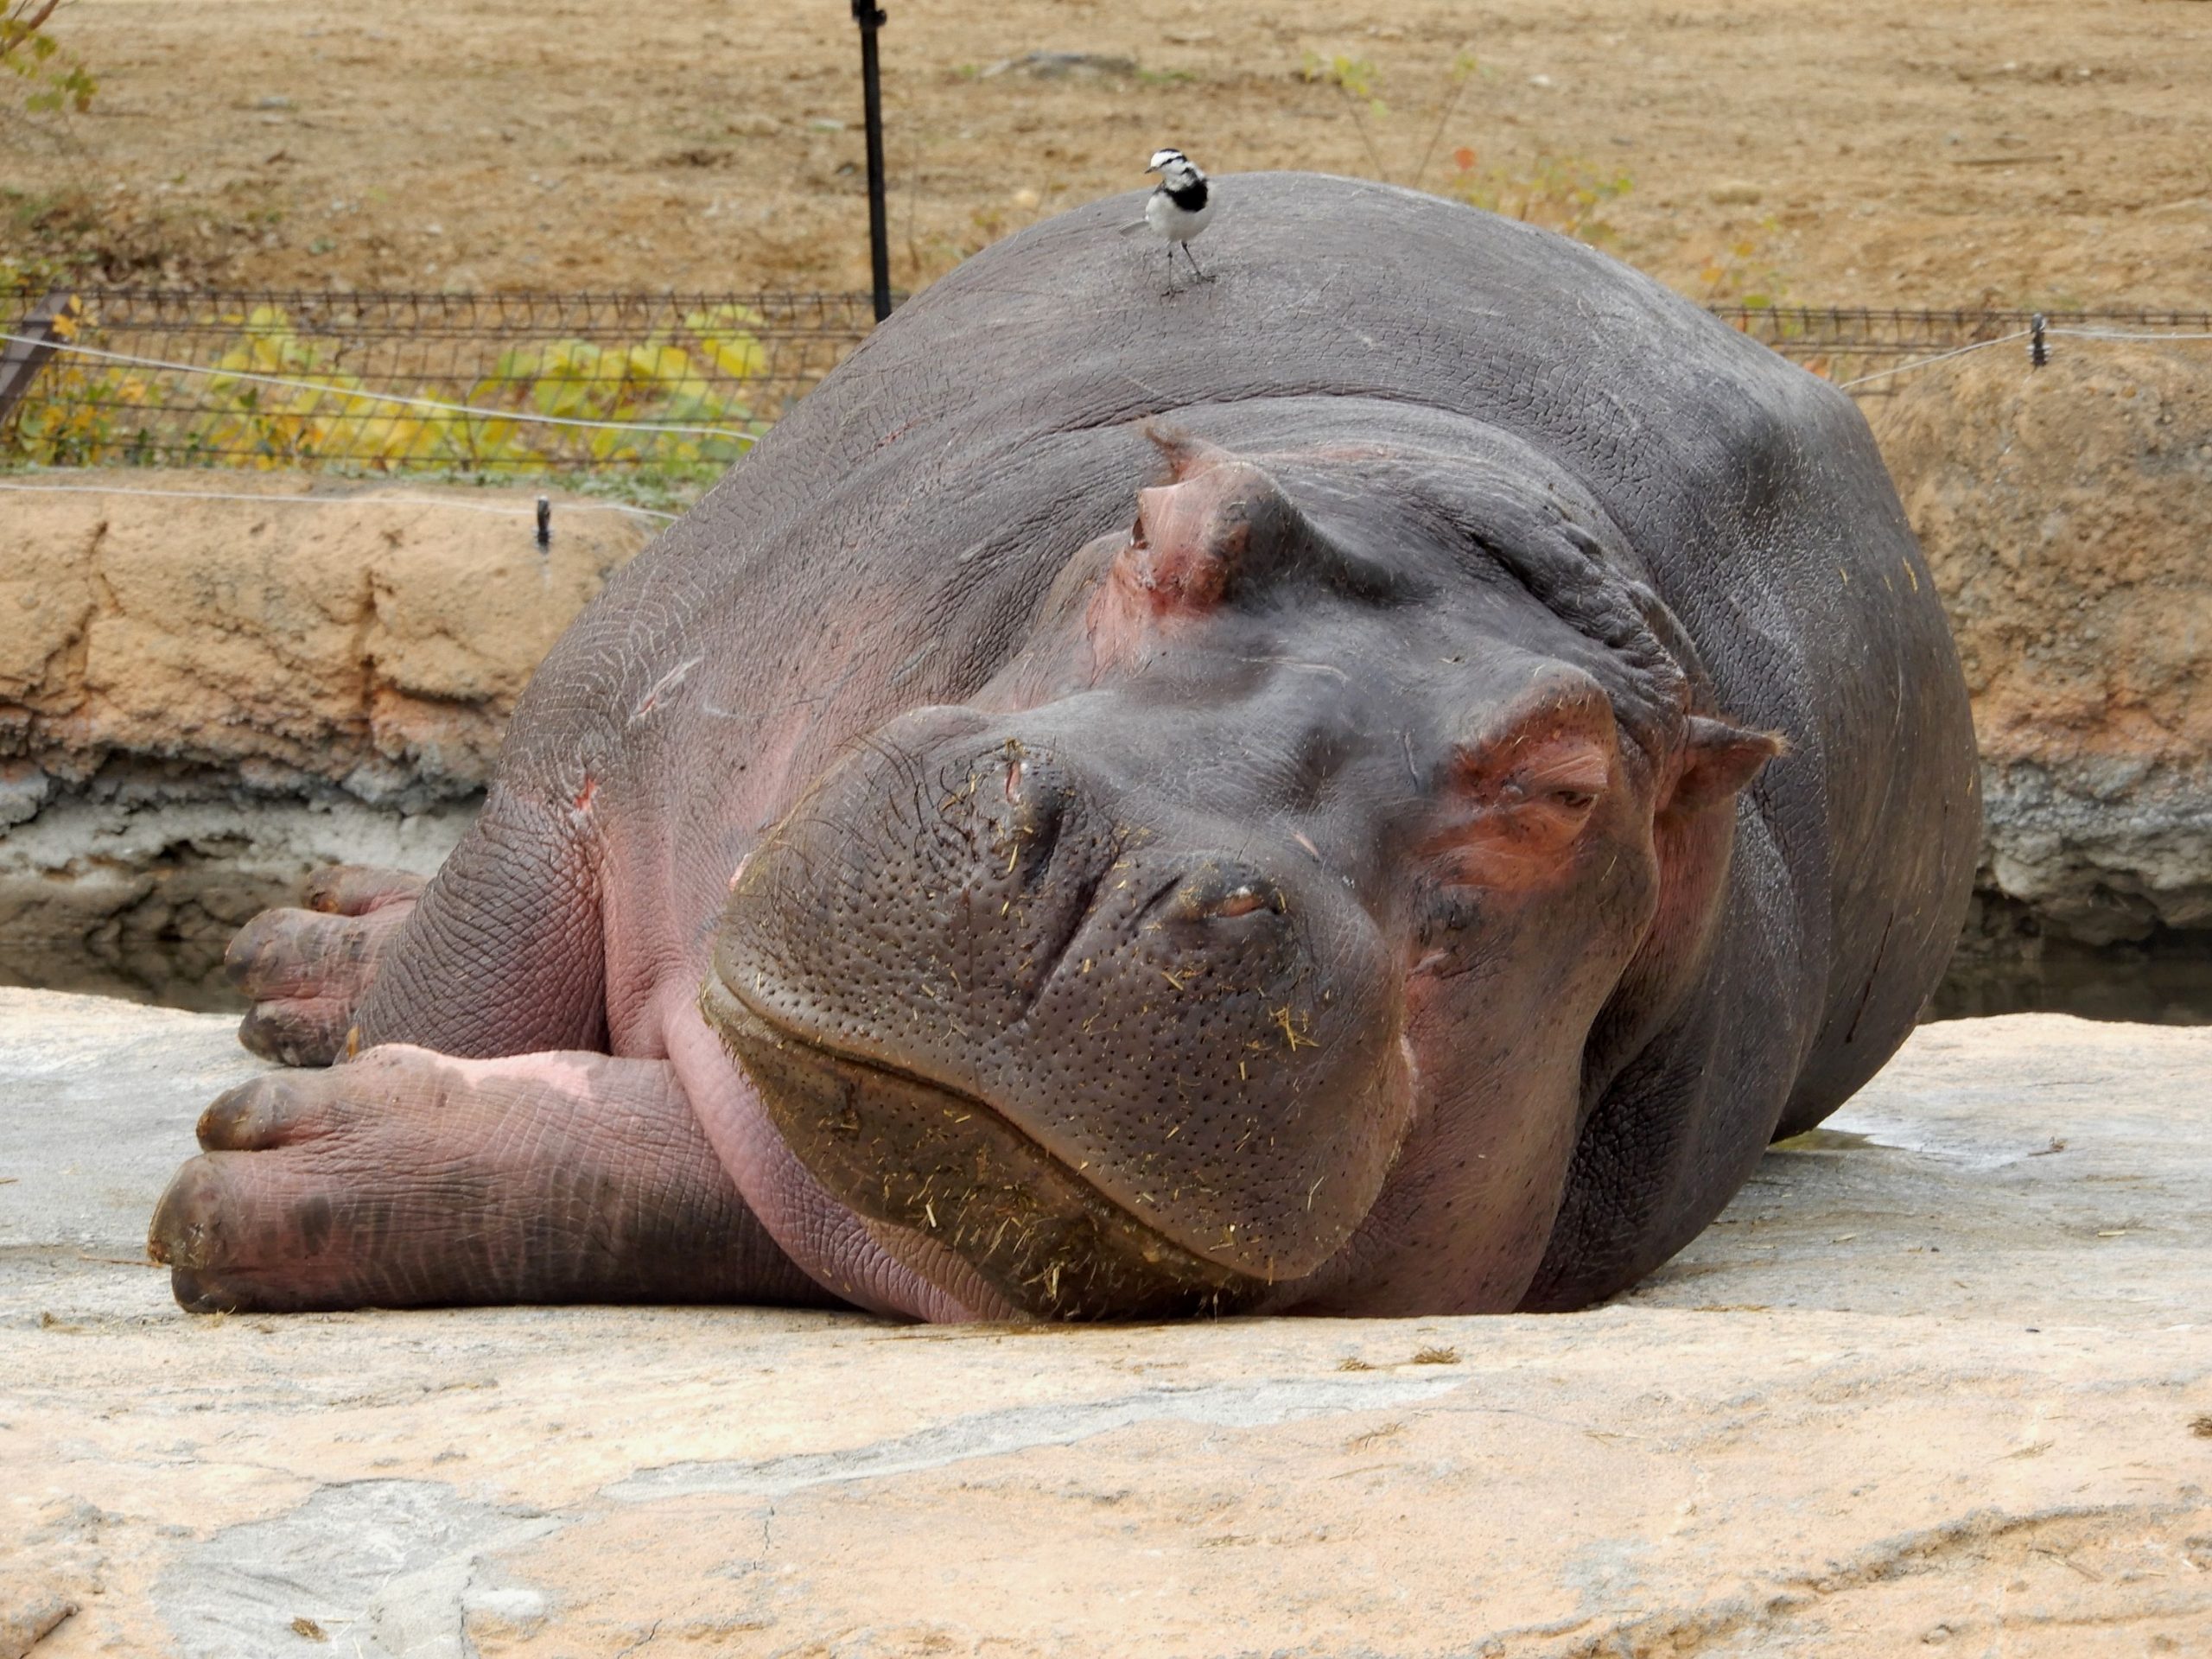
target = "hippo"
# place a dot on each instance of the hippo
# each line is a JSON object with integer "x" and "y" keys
{"x": 1375, "y": 785}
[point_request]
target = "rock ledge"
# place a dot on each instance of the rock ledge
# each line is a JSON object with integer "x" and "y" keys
{"x": 1942, "y": 1375}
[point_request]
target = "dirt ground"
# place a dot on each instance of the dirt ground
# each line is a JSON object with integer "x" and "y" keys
{"x": 1875, "y": 152}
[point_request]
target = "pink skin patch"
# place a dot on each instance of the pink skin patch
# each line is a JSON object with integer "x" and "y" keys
{"x": 561, "y": 1074}
{"x": 831, "y": 1245}
{"x": 1522, "y": 794}
{"x": 1521, "y": 811}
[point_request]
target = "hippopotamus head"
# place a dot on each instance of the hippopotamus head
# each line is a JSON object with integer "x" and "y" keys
{"x": 1259, "y": 934}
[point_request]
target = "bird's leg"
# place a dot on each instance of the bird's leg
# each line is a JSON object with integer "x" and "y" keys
{"x": 1170, "y": 288}
{"x": 1192, "y": 257}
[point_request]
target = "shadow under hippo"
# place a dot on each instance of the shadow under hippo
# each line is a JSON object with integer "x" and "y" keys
{"x": 1374, "y": 785}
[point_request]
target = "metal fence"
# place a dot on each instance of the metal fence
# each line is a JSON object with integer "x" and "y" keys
{"x": 675, "y": 385}
{"x": 521, "y": 382}
{"x": 1848, "y": 344}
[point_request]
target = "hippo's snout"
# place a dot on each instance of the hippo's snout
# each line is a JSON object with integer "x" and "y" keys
{"x": 1122, "y": 1065}
{"x": 901, "y": 1150}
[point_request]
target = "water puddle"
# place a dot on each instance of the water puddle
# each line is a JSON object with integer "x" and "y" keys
{"x": 2169, "y": 984}
{"x": 1825, "y": 1140}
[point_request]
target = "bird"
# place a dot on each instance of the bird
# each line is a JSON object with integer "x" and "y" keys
{"x": 1179, "y": 208}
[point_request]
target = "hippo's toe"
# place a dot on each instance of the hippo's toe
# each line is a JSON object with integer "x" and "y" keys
{"x": 257, "y": 1114}
{"x": 357, "y": 889}
{"x": 307, "y": 970}
{"x": 306, "y": 1031}
{"x": 196, "y": 1233}
{"x": 186, "y": 1230}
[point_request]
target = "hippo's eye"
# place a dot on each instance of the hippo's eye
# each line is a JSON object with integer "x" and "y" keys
{"x": 1520, "y": 808}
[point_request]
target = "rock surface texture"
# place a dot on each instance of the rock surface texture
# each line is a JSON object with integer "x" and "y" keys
{"x": 202, "y": 702}
{"x": 1941, "y": 1375}
{"x": 2066, "y": 516}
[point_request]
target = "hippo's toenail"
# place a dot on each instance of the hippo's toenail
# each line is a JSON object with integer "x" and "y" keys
{"x": 222, "y": 1126}
{"x": 194, "y": 1296}
{"x": 186, "y": 1230}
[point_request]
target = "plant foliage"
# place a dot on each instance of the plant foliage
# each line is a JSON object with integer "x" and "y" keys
{"x": 87, "y": 412}
{"x": 1561, "y": 193}
{"x": 29, "y": 52}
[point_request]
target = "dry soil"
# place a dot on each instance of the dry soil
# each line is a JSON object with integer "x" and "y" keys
{"x": 1879, "y": 151}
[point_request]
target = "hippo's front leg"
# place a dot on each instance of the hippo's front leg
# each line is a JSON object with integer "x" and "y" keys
{"x": 411, "y": 1179}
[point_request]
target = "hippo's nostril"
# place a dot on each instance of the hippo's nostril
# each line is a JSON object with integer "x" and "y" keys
{"x": 1032, "y": 828}
{"x": 1217, "y": 895}
{"x": 1240, "y": 900}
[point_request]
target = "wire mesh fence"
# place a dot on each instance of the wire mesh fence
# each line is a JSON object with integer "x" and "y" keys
{"x": 1847, "y": 344}
{"x": 674, "y": 386}
{"x": 513, "y": 382}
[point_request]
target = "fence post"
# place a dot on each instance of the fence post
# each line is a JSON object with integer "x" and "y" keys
{"x": 44, "y": 331}
{"x": 870, "y": 17}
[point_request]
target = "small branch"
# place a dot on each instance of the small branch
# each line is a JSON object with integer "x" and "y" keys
{"x": 1458, "y": 86}
{"x": 24, "y": 19}
{"x": 1359, "y": 120}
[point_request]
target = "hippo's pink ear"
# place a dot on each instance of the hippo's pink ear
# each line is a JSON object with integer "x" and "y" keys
{"x": 1692, "y": 835}
{"x": 1188, "y": 540}
{"x": 1719, "y": 761}
{"x": 1185, "y": 454}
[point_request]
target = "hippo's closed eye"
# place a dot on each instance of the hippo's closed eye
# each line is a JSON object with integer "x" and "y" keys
{"x": 1515, "y": 800}
{"x": 1565, "y": 774}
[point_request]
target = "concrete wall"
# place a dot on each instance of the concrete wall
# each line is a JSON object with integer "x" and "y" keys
{"x": 2066, "y": 513}
{"x": 201, "y": 701}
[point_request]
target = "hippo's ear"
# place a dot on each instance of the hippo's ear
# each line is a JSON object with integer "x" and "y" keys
{"x": 1718, "y": 762}
{"x": 1185, "y": 454}
{"x": 1192, "y": 536}
{"x": 1693, "y": 832}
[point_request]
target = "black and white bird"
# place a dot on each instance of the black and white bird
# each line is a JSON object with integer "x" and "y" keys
{"x": 1181, "y": 207}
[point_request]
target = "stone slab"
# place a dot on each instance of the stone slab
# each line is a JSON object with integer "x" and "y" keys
{"x": 1941, "y": 1376}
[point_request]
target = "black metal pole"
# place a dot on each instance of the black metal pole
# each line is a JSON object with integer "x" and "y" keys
{"x": 870, "y": 17}
{"x": 41, "y": 334}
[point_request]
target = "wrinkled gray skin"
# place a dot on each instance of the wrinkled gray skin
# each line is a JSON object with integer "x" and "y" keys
{"x": 1376, "y": 784}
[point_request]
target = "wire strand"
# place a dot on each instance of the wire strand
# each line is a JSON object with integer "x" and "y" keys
{"x": 1922, "y": 362}
{"x": 334, "y": 501}
{"x": 375, "y": 396}
{"x": 2119, "y": 333}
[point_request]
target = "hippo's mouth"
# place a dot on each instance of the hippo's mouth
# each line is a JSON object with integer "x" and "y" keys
{"x": 898, "y": 1148}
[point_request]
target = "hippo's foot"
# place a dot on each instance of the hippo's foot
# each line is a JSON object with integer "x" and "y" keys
{"x": 410, "y": 1179}
{"x": 307, "y": 970}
